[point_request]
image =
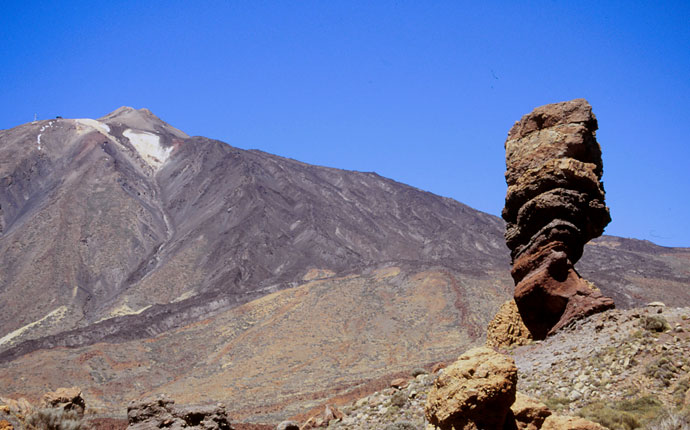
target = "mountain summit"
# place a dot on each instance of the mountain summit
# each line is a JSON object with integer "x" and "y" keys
{"x": 137, "y": 260}
{"x": 142, "y": 119}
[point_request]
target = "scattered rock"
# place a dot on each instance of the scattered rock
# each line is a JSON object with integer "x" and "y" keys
{"x": 68, "y": 399}
{"x": 20, "y": 406}
{"x": 474, "y": 392}
{"x": 529, "y": 413}
{"x": 655, "y": 323}
{"x": 589, "y": 356}
{"x": 507, "y": 327}
{"x": 419, "y": 371}
{"x": 330, "y": 414}
{"x": 162, "y": 413}
{"x": 399, "y": 383}
{"x": 554, "y": 205}
{"x": 287, "y": 425}
{"x": 559, "y": 422}
{"x": 656, "y": 305}
{"x": 401, "y": 425}
{"x": 438, "y": 366}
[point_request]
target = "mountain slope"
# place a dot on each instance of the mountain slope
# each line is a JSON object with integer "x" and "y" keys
{"x": 137, "y": 259}
{"x": 94, "y": 226}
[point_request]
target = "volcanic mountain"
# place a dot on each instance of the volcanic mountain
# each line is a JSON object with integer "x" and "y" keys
{"x": 137, "y": 260}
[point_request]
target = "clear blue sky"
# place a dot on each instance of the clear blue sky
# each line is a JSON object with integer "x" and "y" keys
{"x": 422, "y": 92}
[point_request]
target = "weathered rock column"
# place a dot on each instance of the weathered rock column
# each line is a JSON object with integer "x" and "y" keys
{"x": 554, "y": 205}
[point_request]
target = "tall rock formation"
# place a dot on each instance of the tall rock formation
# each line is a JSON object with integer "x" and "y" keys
{"x": 554, "y": 205}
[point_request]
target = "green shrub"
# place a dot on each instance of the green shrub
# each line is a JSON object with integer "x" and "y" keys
{"x": 557, "y": 403}
{"x": 401, "y": 425}
{"x": 399, "y": 398}
{"x": 418, "y": 371}
{"x": 670, "y": 421}
{"x": 679, "y": 391}
{"x": 624, "y": 415}
{"x": 662, "y": 370}
{"x": 655, "y": 323}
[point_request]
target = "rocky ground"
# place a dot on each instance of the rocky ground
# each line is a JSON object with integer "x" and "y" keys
{"x": 389, "y": 407}
{"x": 621, "y": 364}
{"x": 625, "y": 369}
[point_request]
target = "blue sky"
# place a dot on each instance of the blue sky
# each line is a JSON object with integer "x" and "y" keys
{"x": 422, "y": 92}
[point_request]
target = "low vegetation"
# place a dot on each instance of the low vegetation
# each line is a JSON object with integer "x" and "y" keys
{"x": 625, "y": 414}
{"x": 54, "y": 419}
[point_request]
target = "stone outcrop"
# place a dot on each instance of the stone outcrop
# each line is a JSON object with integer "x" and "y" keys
{"x": 529, "y": 413}
{"x": 558, "y": 422}
{"x": 475, "y": 392}
{"x": 163, "y": 413}
{"x": 288, "y": 425}
{"x": 479, "y": 391}
{"x": 330, "y": 413}
{"x": 63, "y": 408}
{"x": 507, "y": 327}
{"x": 554, "y": 205}
{"x": 67, "y": 399}
{"x": 19, "y": 406}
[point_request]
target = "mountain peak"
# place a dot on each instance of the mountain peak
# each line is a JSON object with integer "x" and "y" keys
{"x": 141, "y": 119}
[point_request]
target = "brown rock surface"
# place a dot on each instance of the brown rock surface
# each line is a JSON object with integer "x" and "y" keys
{"x": 68, "y": 399}
{"x": 507, "y": 327}
{"x": 287, "y": 425}
{"x": 330, "y": 413}
{"x": 6, "y": 425}
{"x": 20, "y": 406}
{"x": 474, "y": 392}
{"x": 529, "y": 413}
{"x": 399, "y": 383}
{"x": 559, "y": 422}
{"x": 163, "y": 413}
{"x": 554, "y": 206}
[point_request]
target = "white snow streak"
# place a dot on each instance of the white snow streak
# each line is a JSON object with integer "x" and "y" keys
{"x": 95, "y": 124}
{"x": 149, "y": 148}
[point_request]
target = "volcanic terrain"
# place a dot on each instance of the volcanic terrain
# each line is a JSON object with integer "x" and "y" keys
{"x": 138, "y": 260}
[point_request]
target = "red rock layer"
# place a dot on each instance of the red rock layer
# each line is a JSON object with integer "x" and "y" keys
{"x": 554, "y": 205}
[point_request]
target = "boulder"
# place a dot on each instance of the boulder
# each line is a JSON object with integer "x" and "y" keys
{"x": 507, "y": 328}
{"x": 287, "y": 425}
{"x": 163, "y": 413}
{"x": 330, "y": 413}
{"x": 6, "y": 425}
{"x": 559, "y": 422}
{"x": 475, "y": 392}
{"x": 20, "y": 406}
{"x": 529, "y": 413}
{"x": 399, "y": 383}
{"x": 68, "y": 399}
{"x": 554, "y": 205}
{"x": 438, "y": 367}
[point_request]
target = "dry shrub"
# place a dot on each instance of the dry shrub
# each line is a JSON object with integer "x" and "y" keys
{"x": 54, "y": 419}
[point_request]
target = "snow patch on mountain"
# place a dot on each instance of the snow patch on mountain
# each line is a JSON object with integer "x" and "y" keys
{"x": 149, "y": 147}
{"x": 95, "y": 124}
